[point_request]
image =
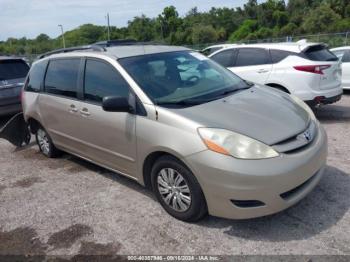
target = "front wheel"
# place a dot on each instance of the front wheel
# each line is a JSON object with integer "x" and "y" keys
{"x": 45, "y": 143}
{"x": 177, "y": 190}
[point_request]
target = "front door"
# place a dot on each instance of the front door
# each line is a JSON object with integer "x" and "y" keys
{"x": 108, "y": 137}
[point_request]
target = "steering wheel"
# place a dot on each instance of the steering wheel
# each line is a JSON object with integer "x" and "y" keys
{"x": 191, "y": 81}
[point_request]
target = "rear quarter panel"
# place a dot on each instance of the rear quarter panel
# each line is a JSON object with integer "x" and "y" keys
{"x": 30, "y": 106}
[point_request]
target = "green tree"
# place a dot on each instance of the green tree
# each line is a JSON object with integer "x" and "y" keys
{"x": 248, "y": 27}
{"x": 141, "y": 28}
{"x": 204, "y": 34}
{"x": 320, "y": 19}
{"x": 169, "y": 21}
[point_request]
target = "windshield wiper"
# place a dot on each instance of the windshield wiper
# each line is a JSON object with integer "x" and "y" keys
{"x": 181, "y": 102}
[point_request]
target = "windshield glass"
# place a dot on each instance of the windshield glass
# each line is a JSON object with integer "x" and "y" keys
{"x": 179, "y": 77}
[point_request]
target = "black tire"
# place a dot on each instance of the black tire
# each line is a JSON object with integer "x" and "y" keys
{"x": 49, "y": 149}
{"x": 197, "y": 208}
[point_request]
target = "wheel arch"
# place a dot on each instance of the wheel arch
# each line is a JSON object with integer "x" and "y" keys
{"x": 149, "y": 161}
{"x": 279, "y": 86}
{"x": 34, "y": 124}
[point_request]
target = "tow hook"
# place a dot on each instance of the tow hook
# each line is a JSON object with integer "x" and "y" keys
{"x": 16, "y": 131}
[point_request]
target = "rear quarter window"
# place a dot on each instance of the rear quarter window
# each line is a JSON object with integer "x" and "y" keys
{"x": 13, "y": 69}
{"x": 319, "y": 53}
{"x": 36, "y": 77}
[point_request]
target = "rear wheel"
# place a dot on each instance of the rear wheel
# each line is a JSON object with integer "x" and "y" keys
{"x": 177, "y": 190}
{"x": 45, "y": 143}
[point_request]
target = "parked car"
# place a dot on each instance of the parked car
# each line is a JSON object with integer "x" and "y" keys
{"x": 211, "y": 49}
{"x": 307, "y": 70}
{"x": 200, "y": 137}
{"x": 343, "y": 53}
{"x": 12, "y": 74}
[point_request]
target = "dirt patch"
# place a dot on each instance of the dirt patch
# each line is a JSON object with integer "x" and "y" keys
{"x": 99, "y": 252}
{"x": 66, "y": 237}
{"x": 21, "y": 241}
{"x": 92, "y": 248}
{"x": 31, "y": 153}
{"x": 76, "y": 169}
{"x": 28, "y": 182}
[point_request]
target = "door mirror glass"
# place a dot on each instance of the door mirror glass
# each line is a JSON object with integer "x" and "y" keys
{"x": 116, "y": 104}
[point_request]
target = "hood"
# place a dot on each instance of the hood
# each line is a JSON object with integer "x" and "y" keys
{"x": 261, "y": 113}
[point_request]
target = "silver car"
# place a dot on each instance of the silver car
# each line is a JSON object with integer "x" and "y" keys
{"x": 201, "y": 138}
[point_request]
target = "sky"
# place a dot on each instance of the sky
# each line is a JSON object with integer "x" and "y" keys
{"x": 29, "y": 18}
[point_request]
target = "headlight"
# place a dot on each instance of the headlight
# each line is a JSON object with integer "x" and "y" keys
{"x": 239, "y": 146}
{"x": 302, "y": 104}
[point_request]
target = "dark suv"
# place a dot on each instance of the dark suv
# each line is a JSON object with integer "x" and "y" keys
{"x": 12, "y": 74}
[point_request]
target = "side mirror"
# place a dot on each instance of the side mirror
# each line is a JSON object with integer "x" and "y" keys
{"x": 116, "y": 104}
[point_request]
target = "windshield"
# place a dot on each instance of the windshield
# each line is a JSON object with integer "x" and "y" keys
{"x": 179, "y": 77}
{"x": 13, "y": 69}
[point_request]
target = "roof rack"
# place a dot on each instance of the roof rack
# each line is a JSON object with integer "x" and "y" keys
{"x": 125, "y": 42}
{"x": 116, "y": 42}
{"x": 93, "y": 47}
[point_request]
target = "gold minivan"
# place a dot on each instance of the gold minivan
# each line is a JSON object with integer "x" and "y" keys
{"x": 203, "y": 139}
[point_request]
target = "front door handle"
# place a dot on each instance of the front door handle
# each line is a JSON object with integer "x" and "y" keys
{"x": 73, "y": 108}
{"x": 260, "y": 71}
{"x": 84, "y": 112}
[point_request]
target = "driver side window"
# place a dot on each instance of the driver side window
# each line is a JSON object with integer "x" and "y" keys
{"x": 101, "y": 80}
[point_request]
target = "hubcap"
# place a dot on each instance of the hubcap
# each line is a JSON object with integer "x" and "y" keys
{"x": 174, "y": 189}
{"x": 43, "y": 141}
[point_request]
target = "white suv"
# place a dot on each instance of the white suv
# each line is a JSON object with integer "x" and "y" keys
{"x": 343, "y": 53}
{"x": 307, "y": 70}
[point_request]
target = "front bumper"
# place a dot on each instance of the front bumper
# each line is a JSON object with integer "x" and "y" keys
{"x": 278, "y": 182}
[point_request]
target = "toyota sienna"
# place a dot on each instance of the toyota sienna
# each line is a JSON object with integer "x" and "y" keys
{"x": 203, "y": 139}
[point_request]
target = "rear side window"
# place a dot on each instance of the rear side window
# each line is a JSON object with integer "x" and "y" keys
{"x": 224, "y": 58}
{"x": 36, "y": 77}
{"x": 252, "y": 56}
{"x": 346, "y": 57}
{"x": 62, "y": 77}
{"x": 343, "y": 55}
{"x": 319, "y": 53}
{"x": 13, "y": 69}
{"x": 101, "y": 80}
{"x": 278, "y": 55}
{"x": 340, "y": 54}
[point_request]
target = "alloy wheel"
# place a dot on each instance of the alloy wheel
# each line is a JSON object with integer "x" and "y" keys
{"x": 43, "y": 141}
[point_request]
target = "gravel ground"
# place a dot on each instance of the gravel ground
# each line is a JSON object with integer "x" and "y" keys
{"x": 67, "y": 206}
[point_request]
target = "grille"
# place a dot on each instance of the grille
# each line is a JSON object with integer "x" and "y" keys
{"x": 299, "y": 141}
